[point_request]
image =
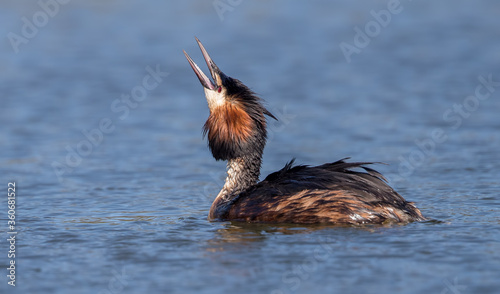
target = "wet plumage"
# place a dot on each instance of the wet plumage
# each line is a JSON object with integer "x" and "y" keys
{"x": 340, "y": 192}
{"x": 329, "y": 193}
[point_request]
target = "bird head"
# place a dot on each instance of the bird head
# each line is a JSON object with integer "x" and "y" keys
{"x": 236, "y": 125}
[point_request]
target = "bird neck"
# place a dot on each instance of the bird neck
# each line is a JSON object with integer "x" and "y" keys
{"x": 242, "y": 173}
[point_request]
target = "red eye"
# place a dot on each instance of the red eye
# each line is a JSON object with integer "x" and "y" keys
{"x": 219, "y": 89}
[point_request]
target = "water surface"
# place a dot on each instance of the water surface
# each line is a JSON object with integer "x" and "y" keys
{"x": 130, "y": 216}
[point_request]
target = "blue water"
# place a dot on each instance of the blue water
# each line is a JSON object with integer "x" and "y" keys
{"x": 127, "y": 213}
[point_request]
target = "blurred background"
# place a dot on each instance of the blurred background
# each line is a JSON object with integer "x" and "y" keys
{"x": 101, "y": 131}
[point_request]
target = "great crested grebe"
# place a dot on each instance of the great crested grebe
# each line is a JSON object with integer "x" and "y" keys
{"x": 329, "y": 193}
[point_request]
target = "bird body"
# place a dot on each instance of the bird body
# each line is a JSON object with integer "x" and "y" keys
{"x": 339, "y": 193}
{"x": 329, "y": 193}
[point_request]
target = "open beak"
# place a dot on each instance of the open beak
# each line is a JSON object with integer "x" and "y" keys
{"x": 214, "y": 70}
